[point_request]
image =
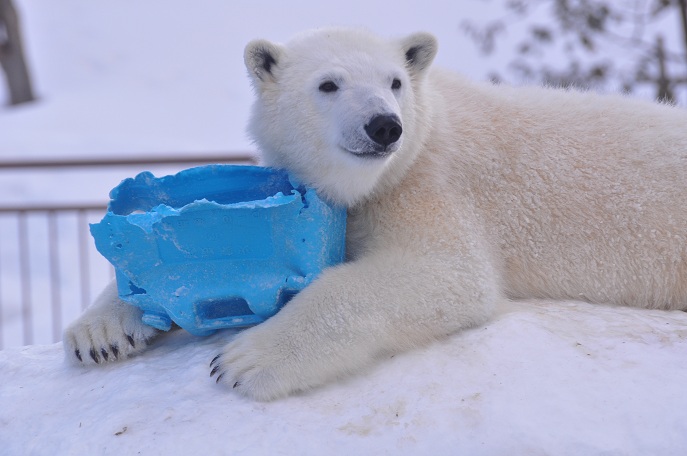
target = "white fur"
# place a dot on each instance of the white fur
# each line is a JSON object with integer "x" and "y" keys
{"x": 492, "y": 193}
{"x": 109, "y": 330}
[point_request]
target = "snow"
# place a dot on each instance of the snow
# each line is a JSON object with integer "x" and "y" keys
{"x": 564, "y": 378}
{"x": 160, "y": 77}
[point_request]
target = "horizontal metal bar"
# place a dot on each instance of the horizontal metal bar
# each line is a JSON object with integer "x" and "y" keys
{"x": 127, "y": 160}
{"x": 47, "y": 207}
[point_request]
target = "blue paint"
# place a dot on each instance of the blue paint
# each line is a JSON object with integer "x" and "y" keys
{"x": 217, "y": 246}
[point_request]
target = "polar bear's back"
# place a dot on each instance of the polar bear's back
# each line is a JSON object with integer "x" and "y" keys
{"x": 583, "y": 195}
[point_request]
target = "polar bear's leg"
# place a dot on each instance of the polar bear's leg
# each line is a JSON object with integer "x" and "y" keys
{"x": 109, "y": 330}
{"x": 352, "y": 315}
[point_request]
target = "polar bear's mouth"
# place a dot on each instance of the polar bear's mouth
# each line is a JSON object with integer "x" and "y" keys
{"x": 373, "y": 154}
{"x": 371, "y": 151}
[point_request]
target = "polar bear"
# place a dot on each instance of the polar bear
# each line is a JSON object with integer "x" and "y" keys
{"x": 461, "y": 196}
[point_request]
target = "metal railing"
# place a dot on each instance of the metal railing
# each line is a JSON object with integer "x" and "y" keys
{"x": 48, "y": 273}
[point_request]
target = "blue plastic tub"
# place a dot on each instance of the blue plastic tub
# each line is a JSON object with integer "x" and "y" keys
{"x": 217, "y": 246}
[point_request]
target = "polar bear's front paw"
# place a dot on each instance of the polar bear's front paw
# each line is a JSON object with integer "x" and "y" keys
{"x": 262, "y": 364}
{"x": 107, "y": 334}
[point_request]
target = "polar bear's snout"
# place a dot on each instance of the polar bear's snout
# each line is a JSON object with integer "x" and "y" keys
{"x": 384, "y": 129}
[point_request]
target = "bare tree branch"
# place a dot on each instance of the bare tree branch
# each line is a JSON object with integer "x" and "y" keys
{"x": 12, "y": 55}
{"x": 581, "y": 30}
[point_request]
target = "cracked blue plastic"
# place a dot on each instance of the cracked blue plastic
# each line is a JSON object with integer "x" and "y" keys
{"x": 217, "y": 246}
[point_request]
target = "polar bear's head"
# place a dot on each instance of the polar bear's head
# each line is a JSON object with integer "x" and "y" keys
{"x": 340, "y": 109}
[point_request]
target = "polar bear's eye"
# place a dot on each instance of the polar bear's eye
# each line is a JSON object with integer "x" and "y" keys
{"x": 328, "y": 87}
{"x": 396, "y": 84}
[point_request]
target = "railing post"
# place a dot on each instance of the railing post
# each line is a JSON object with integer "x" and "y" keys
{"x": 55, "y": 294}
{"x": 84, "y": 270}
{"x": 2, "y": 322}
{"x": 25, "y": 277}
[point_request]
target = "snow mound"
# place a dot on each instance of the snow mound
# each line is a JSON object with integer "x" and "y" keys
{"x": 541, "y": 378}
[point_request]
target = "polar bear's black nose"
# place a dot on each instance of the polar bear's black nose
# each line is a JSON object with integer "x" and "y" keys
{"x": 384, "y": 130}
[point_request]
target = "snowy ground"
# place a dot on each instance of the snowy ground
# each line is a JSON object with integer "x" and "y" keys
{"x": 543, "y": 378}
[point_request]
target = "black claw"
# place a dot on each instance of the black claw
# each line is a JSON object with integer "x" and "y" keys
{"x": 78, "y": 355}
{"x": 94, "y": 356}
{"x": 130, "y": 338}
{"x": 105, "y": 354}
{"x": 115, "y": 351}
{"x": 219, "y": 377}
{"x": 214, "y": 371}
{"x": 236, "y": 384}
{"x": 214, "y": 360}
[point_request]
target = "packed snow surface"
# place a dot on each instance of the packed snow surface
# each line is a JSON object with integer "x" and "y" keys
{"x": 563, "y": 378}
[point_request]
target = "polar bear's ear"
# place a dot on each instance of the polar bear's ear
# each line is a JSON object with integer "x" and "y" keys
{"x": 420, "y": 49}
{"x": 261, "y": 57}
